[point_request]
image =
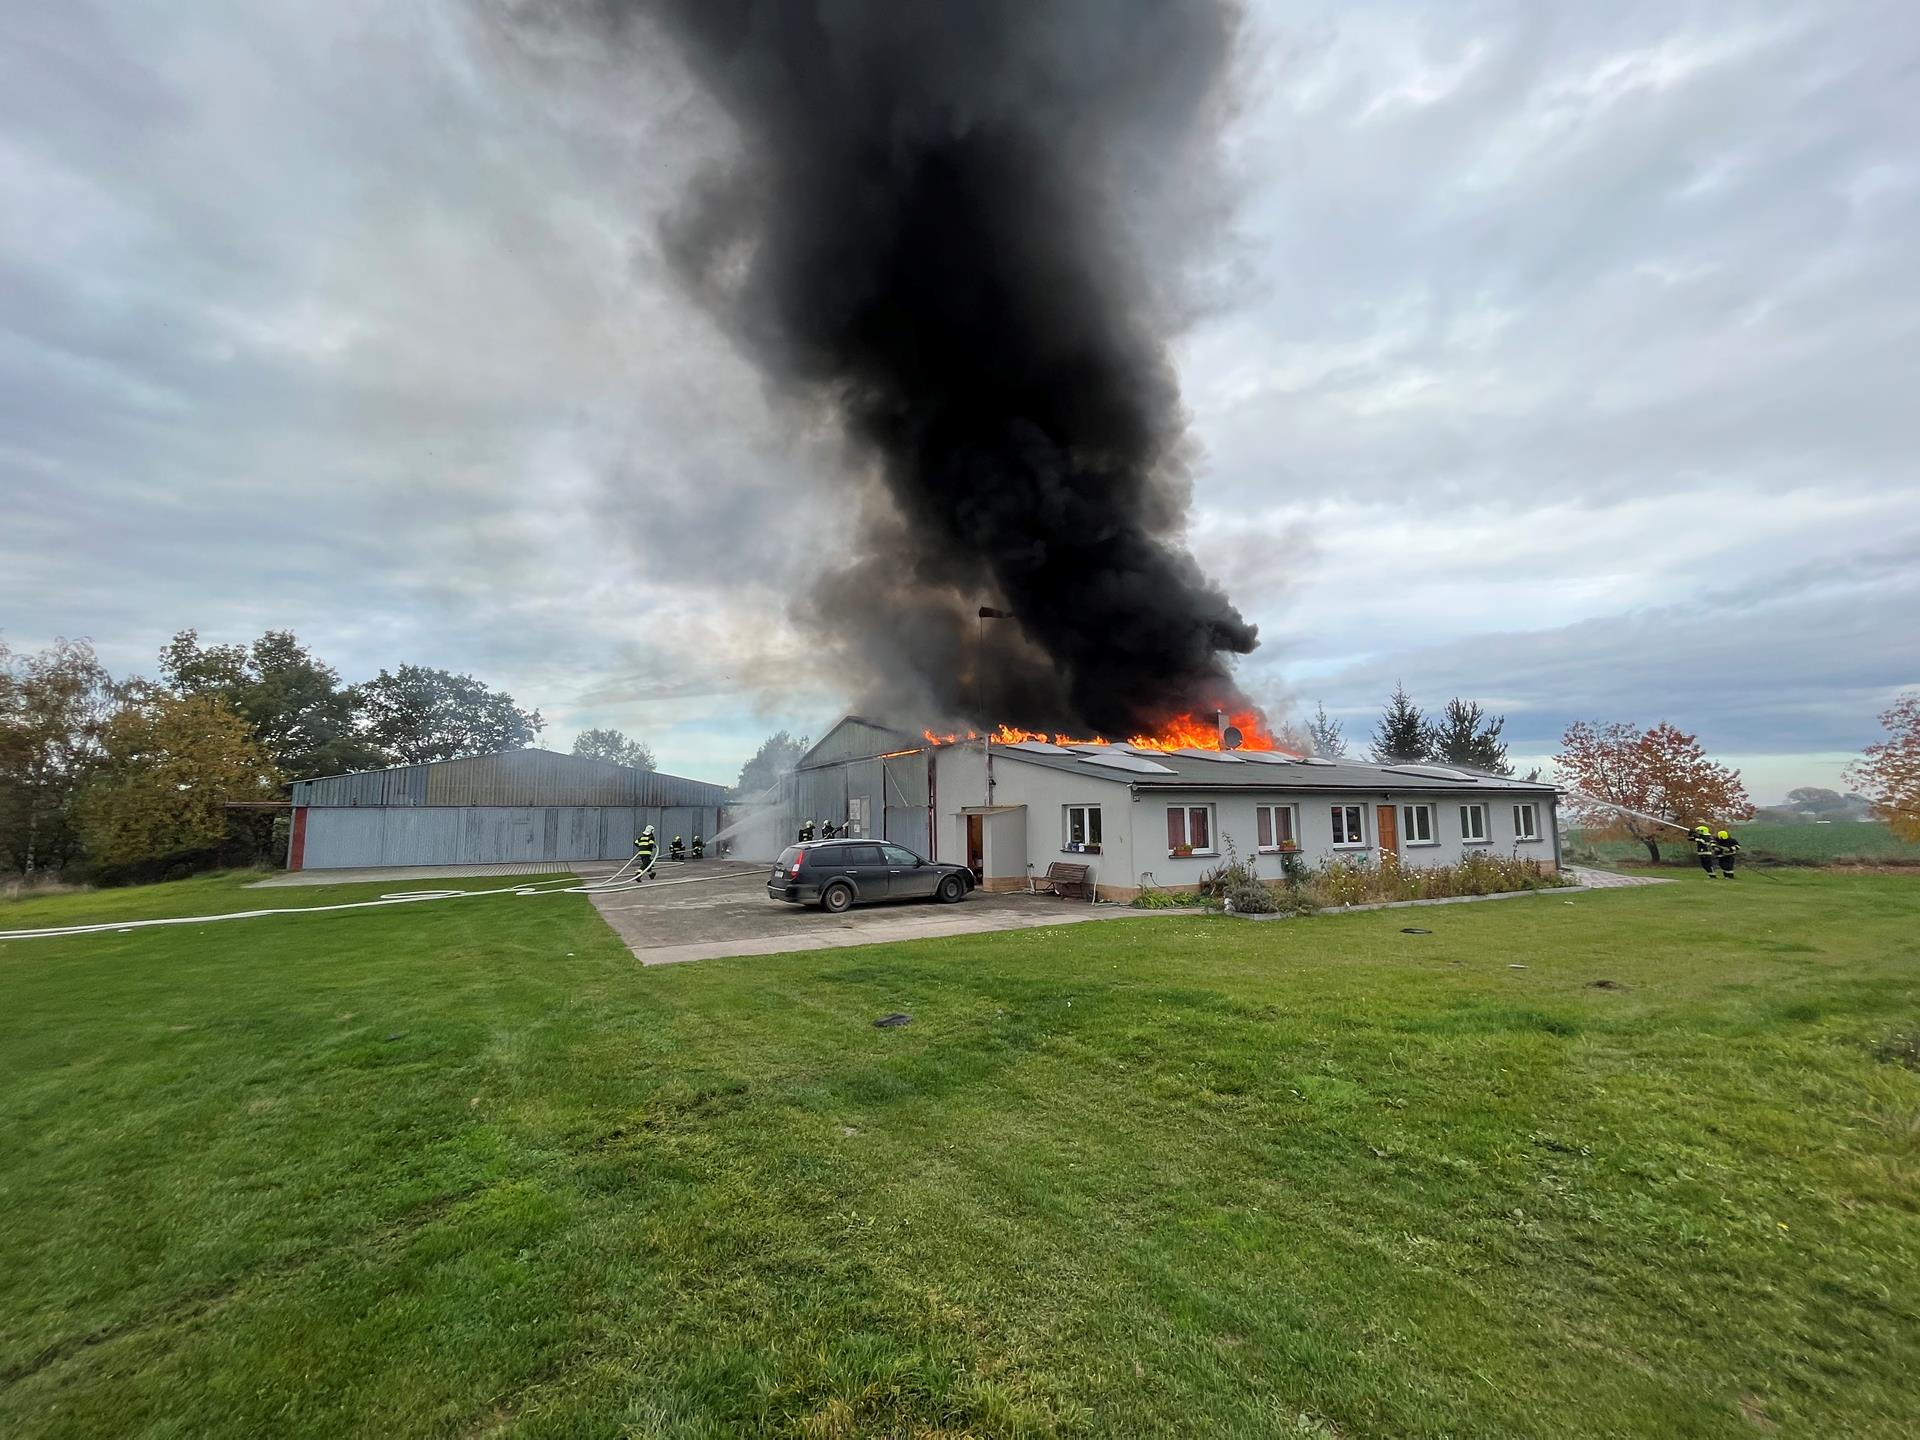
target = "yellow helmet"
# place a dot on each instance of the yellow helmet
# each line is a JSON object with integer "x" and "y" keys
{"x": 1704, "y": 828}
{"x": 1725, "y": 836}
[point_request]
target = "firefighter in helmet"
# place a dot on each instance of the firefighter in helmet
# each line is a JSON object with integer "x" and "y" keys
{"x": 1728, "y": 850}
{"x": 828, "y": 830}
{"x": 806, "y": 831}
{"x": 677, "y": 850}
{"x": 1704, "y": 847}
{"x": 645, "y": 851}
{"x": 699, "y": 846}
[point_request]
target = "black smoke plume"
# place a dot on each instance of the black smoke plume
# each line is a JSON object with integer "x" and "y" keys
{"x": 934, "y": 225}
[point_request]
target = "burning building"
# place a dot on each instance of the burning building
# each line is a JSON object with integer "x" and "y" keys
{"x": 961, "y": 229}
{"x": 1145, "y": 811}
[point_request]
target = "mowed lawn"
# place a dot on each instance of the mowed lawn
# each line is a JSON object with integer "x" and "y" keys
{"x": 466, "y": 1169}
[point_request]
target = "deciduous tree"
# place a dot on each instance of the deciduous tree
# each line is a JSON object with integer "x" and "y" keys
{"x": 1889, "y": 772}
{"x": 613, "y": 747}
{"x": 1403, "y": 733}
{"x": 296, "y": 705}
{"x": 169, "y": 765}
{"x": 52, "y": 707}
{"x": 417, "y": 714}
{"x": 1663, "y": 773}
{"x": 1466, "y": 735}
{"x": 777, "y": 754}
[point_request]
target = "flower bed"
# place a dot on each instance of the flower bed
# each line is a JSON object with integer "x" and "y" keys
{"x": 1356, "y": 882}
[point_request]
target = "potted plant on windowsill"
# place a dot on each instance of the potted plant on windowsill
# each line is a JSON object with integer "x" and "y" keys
{"x": 1183, "y": 852}
{"x": 1289, "y": 847}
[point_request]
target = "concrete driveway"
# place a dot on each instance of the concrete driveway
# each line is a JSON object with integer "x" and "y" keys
{"x": 703, "y": 910}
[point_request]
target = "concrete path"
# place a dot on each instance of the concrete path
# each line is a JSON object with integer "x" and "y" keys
{"x": 1606, "y": 880}
{"x": 408, "y": 872}
{"x": 707, "y": 910}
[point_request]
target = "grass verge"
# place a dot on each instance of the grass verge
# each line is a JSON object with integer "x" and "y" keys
{"x": 467, "y": 1169}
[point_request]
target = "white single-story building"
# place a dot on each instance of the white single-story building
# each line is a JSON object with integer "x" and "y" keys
{"x": 1140, "y": 817}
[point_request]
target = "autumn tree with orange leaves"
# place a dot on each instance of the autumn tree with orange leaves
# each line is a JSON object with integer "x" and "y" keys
{"x": 1661, "y": 771}
{"x": 1889, "y": 775}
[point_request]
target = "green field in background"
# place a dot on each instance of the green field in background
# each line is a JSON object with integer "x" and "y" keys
{"x": 1869, "y": 843}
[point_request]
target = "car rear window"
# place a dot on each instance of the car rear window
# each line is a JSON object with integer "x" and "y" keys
{"x": 786, "y": 857}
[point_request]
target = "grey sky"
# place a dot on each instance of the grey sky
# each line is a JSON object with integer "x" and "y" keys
{"x": 1557, "y": 355}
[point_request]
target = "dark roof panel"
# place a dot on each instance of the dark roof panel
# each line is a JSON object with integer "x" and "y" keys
{"x": 1191, "y": 772}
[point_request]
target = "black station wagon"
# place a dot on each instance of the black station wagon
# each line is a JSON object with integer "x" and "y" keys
{"x": 837, "y": 873}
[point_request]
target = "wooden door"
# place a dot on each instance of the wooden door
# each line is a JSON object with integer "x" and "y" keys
{"x": 977, "y": 846}
{"x": 1389, "y": 823}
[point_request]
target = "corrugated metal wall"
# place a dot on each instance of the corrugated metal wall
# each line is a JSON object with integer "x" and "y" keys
{"x": 821, "y": 794}
{"x": 492, "y": 809}
{"x": 857, "y": 760}
{"x": 341, "y": 837}
{"x": 516, "y": 777}
{"x": 906, "y": 802}
{"x": 892, "y": 787}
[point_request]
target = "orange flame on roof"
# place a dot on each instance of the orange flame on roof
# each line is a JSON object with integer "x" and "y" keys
{"x": 1182, "y": 732}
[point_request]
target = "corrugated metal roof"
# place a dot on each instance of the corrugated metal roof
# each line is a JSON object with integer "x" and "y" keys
{"x": 512, "y": 777}
{"x": 1194, "y": 773}
{"x": 856, "y": 738}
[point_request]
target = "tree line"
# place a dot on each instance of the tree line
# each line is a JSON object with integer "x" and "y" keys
{"x": 122, "y": 777}
{"x": 139, "y": 778}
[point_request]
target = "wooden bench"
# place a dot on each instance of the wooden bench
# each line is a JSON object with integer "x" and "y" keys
{"x": 1069, "y": 882}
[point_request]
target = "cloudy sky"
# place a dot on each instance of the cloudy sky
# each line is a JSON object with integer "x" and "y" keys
{"x": 1562, "y": 356}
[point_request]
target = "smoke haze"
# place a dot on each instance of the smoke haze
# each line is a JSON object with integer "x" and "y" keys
{"x": 926, "y": 228}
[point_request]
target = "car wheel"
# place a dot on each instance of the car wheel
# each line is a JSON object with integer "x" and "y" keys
{"x": 951, "y": 890}
{"x": 835, "y": 899}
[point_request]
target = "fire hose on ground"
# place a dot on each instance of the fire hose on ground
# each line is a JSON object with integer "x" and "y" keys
{"x": 620, "y": 880}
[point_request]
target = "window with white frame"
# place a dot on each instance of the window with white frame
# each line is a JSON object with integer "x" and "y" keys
{"x": 1416, "y": 825}
{"x": 1349, "y": 826}
{"x": 1278, "y": 828}
{"x": 1526, "y": 822}
{"x": 1190, "y": 827}
{"x": 1082, "y": 828}
{"x": 1473, "y": 823}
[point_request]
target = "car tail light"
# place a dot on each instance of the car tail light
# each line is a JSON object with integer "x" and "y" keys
{"x": 798, "y": 856}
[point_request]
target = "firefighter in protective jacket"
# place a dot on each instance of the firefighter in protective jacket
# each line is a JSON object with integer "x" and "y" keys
{"x": 645, "y": 850}
{"x": 1728, "y": 850}
{"x": 699, "y": 847}
{"x": 1704, "y": 847}
{"x": 677, "y": 850}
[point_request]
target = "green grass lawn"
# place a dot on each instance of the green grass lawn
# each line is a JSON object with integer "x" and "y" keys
{"x": 1854, "y": 842}
{"x": 466, "y": 1169}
